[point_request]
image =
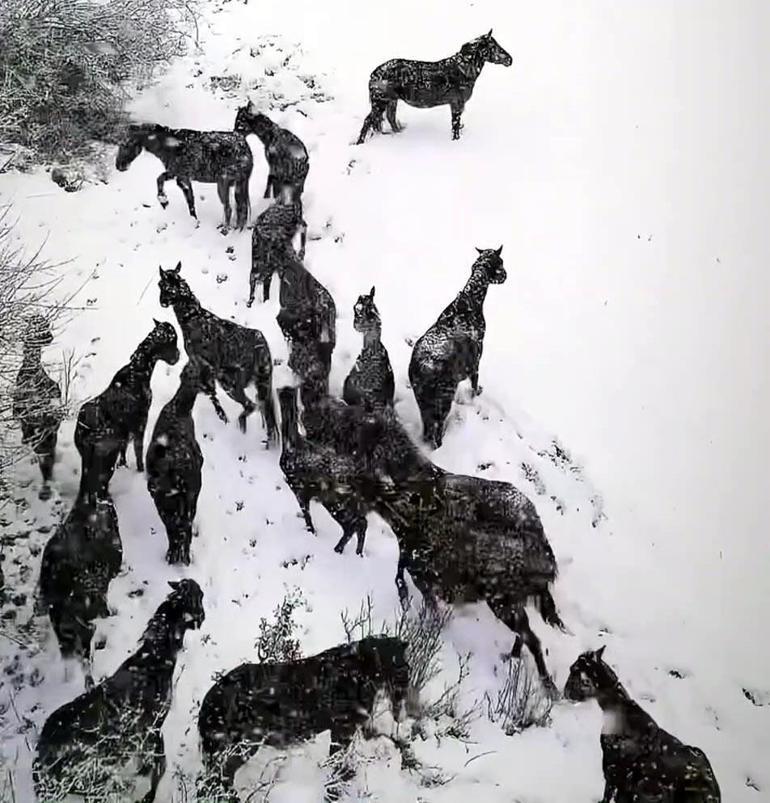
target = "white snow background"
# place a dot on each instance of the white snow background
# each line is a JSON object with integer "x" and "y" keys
{"x": 622, "y": 163}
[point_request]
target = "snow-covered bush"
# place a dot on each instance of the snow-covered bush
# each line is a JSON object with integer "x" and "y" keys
{"x": 522, "y": 701}
{"x": 65, "y": 65}
{"x": 277, "y": 640}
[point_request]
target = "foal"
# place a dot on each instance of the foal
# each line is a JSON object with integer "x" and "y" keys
{"x": 36, "y": 400}
{"x": 641, "y": 761}
{"x": 211, "y": 157}
{"x": 430, "y": 83}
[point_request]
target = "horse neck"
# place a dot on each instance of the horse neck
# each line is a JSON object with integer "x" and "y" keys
{"x": 372, "y": 335}
{"x": 611, "y": 695}
{"x": 161, "y": 642}
{"x": 476, "y": 287}
{"x": 186, "y": 309}
{"x": 143, "y": 359}
{"x": 472, "y": 62}
{"x": 266, "y": 133}
{"x": 184, "y": 399}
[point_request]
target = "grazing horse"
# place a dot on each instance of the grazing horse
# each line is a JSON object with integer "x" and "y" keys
{"x": 108, "y": 422}
{"x": 287, "y": 159}
{"x": 641, "y": 761}
{"x": 36, "y": 400}
{"x": 430, "y": 83}
{"x": 211, "y": 157}
{"x": 110, "y": 737}
{"x": 450, "y": 350}
{"x": 236, "y": 355}
{"x": 370, "y": 381}
{"x": 283, "y": 704}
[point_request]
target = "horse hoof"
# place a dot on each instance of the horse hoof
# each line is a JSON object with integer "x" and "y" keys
{"x": 44, "y": 493}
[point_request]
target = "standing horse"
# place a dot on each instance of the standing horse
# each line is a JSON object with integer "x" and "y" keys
{"x": 286, "y": 154}
{"x": 641, "y": 761}
{"x": 211, "y": 157}
{"x": 236, "y": 355}
{"x": 425, "y": 84}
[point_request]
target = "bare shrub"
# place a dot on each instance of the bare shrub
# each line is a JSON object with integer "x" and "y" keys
{"x": 277, "y": 640}
{"x": 522, "y": 701}
{"x": 65, "y": 65}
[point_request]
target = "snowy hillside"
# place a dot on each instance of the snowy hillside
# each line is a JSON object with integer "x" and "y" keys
{"x": 624, "y": 373}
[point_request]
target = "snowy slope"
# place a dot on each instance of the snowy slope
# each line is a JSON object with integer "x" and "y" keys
{"x": 613, "y": 161}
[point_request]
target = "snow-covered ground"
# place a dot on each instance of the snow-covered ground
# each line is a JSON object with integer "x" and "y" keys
{"x": 618, "y": 161}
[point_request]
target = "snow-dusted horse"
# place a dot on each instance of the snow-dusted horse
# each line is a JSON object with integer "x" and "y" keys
{"x": 430, "y": 83}
{"x": 211, "y": 157}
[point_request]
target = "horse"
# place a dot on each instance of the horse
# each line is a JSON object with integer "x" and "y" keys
{"x": 210, "y": 157}
{"x": 426, "y": 84}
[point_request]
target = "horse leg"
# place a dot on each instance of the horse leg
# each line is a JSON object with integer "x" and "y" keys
{"x": 46, "y": 456}
{"x": 390, "y": 112}
{"x": 270, "y": 186}
{"x": 223, "y": 188}
{"x": 264, "y": 384}
{"x": 138, "y": 436}
{"x": 457, "y": 110}
{"x": 187, "y": 190}
{"x": 373, "y": 120}
{"x": 242, "y": 202}
{"x": 303, "y": 500}
{"x": 162, "y": 197}
{"x": 516, "y": 618}
{"x": 157, "y": 769}
{"x": 235, "y": 390}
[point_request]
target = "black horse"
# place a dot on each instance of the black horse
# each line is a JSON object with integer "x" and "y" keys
{"x": 236, "y": 355}
{"x": 37, "y": 400}
{"x": 211, "y": 157}
{"x": 110, "y": 736}
{"x": 286, "y": 154}
{"x": 430, "y": 83}
{"x": 641, "y": 761}
{"x": 283, "y": 704}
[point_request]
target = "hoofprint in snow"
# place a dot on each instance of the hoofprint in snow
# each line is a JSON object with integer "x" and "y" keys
{"x": 385, "y": 214}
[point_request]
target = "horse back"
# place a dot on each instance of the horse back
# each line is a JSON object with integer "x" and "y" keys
{"x": 205, "y": 156}
{"x": 419, "y": 83}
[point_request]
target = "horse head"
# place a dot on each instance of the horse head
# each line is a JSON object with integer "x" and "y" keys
{"x": 491, "y": 261}
{"x": 173, "y": 288}
{"x": 163, "y": 342}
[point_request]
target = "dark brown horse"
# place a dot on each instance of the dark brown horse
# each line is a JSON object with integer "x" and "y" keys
{"x": 425, "y": 84}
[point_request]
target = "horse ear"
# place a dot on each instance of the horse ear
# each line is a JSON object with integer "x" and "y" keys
{"x": 480, "y": 250}
{"x": 489, "y": 35}
{"x": 156, "y": 321}
{"x": 178, "y": 267}
{"x": 598, "y": 654}
{"x": 160, "y": 270}
{"x": 174, "y": 584}
{"x": 499, "y": 250}
{"x": 371, "y": 292}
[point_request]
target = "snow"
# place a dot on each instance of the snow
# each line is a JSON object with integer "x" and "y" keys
{"x": 618, "y": 161}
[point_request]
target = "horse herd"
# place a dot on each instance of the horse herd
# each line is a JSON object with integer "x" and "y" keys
{"x": 461, "y": 538}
